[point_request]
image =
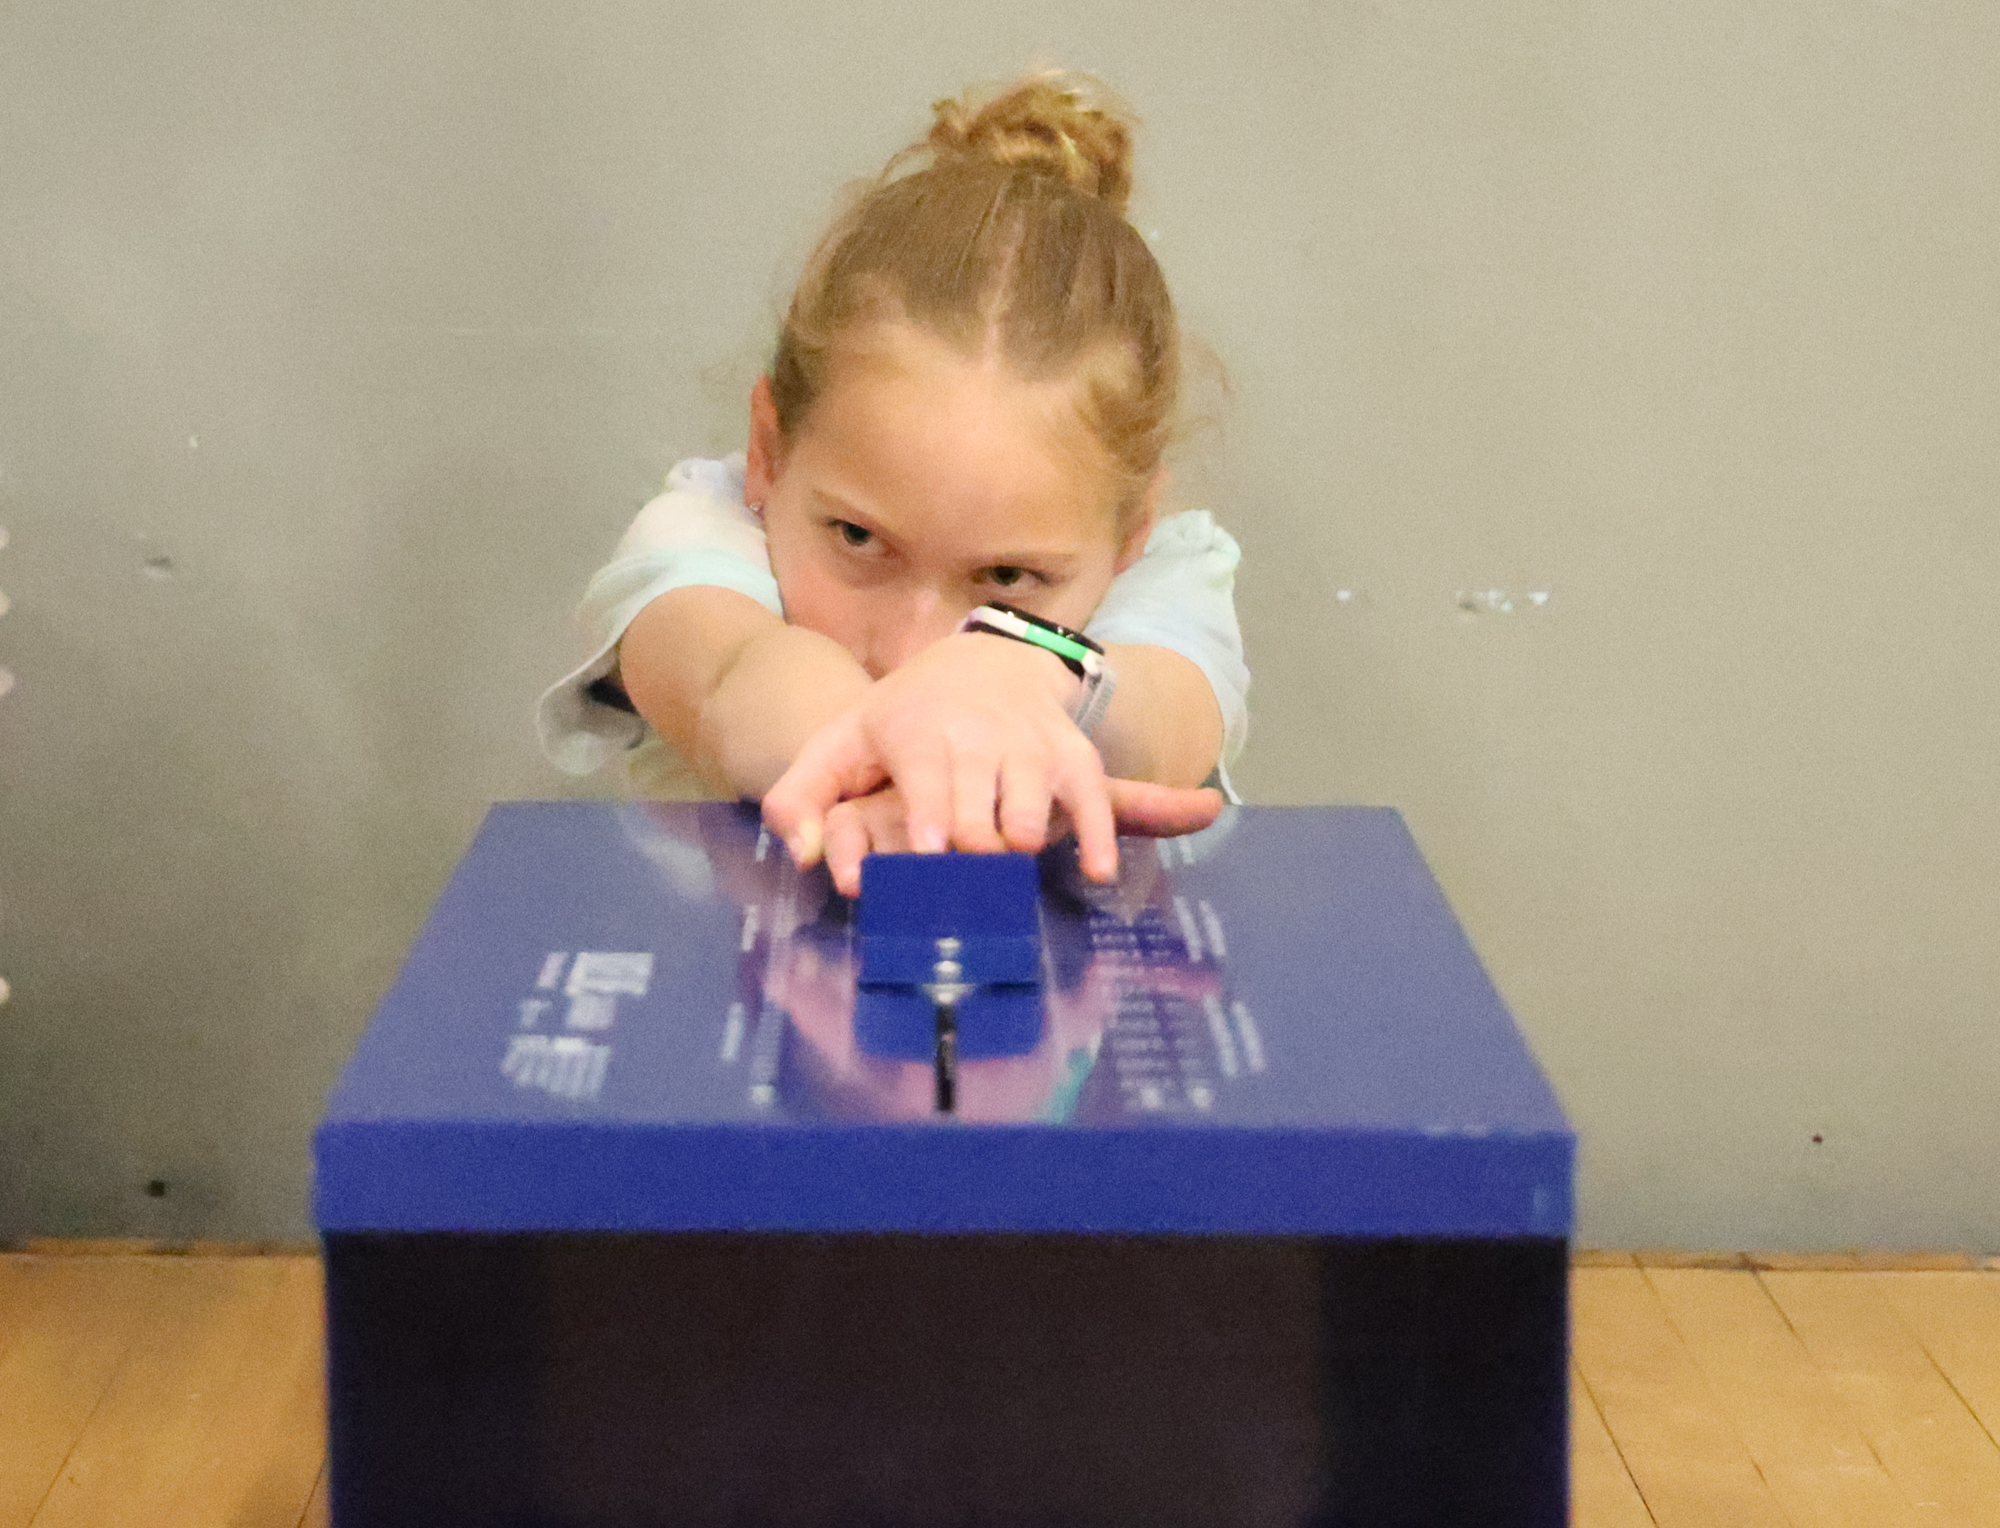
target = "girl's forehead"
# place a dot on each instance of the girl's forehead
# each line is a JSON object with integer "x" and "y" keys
{"x": 913, "y": 435}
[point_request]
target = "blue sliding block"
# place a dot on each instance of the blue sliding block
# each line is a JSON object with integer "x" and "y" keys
{"x": 988, "y": 903}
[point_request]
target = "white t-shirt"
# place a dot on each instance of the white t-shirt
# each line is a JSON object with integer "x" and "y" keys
{"x": 1179, "y": 595}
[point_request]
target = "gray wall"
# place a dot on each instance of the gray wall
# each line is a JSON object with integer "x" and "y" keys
{"x": 337, "y": 343}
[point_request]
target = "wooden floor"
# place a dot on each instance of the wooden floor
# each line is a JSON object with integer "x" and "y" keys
{"x": 184, "y": 1391}
{"x": 160, "y": 1391}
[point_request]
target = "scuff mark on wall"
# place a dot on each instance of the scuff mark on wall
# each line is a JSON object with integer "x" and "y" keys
{"x": 1478, "y": 602}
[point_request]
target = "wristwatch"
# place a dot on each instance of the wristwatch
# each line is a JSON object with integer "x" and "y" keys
{"x": 1081, "y": 656}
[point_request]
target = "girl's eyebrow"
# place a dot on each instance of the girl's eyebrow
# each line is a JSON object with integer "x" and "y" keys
{"x": 841, "y": 507}
{"x": 1057, "y": 563}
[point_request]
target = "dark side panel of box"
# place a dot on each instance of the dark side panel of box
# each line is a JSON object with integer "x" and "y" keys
{"x": 696, "y": 1380}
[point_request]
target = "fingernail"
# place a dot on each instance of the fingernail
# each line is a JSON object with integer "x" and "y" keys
{"x": 804, "y": 844}
{"x": 928, "y": 840}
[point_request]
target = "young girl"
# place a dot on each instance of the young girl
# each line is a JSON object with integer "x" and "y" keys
{"x": 939, "y": 564}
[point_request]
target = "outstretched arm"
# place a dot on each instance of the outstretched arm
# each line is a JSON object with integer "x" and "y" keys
{"x": 1164, "y": 724}
{"x": 732, "y": 688}
{"x": 973, "y": 735}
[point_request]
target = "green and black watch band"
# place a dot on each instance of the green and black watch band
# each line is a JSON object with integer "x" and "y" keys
{"x": 1081, "y": 656}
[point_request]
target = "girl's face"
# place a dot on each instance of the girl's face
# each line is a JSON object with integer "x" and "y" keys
{"x": 923, "y": 484}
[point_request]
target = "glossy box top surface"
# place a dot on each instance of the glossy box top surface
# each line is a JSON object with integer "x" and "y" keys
{"x": 641, "y": 1017}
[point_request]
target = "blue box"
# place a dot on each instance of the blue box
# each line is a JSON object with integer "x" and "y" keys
{"x": 635, "y": 1213}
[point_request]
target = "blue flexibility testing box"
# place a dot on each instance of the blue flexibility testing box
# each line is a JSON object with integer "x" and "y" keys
{"x": 639, "y": 1208}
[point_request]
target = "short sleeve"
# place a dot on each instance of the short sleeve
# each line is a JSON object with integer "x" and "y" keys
{"x": 1181, "y": 595}
{"x": 696, "y": 533}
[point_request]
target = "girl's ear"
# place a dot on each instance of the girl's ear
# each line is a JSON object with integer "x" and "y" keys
{"x": 1146, "y": 515}
{"x": 765, "y": 453}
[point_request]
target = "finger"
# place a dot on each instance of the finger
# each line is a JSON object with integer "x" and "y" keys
{"x": 1024, "y": 804}
{"x": 795, "y": 808}
{"x": 1080, "y": 787}
{"x": 923, "y": 778}
{"x": 888, "y": 826}
{"x": 804, "y": 840}
{"x": 975, "y": 792}
{"x": 846, "y": 845}
{"x": 1161, "y": 811}
{"x": 835, "y": 762}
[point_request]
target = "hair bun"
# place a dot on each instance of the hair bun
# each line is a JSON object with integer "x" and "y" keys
{"x": 1062, "y": 124}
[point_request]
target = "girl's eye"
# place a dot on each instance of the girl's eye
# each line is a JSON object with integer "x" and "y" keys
{"x": 1006, "y": 577}
{"x": 852, "y": 534}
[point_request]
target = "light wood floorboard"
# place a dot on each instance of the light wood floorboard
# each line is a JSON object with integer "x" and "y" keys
{"x": 1601, "y": 1489}
{"x": 318, "y": 1514}
{"x": 1930, "y": 1443}
{"x": 159, "y": 1392}
{"x": 1684, "y": 1454}
{"x": 57, "y": 1369}
{"x": 185, "y": 1391}
{"x": 1804, "y": 1443}
{"x": 261, "y": 1464}
{"x": 128, "y": 1464}
{"x": 1956, "y": 1316}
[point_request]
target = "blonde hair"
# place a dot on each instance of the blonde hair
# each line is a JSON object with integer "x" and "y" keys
{"x": 1010, "y": 231}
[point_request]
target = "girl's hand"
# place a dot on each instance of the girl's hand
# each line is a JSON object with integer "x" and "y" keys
{"x": 879, "y": 823}
{"x": 974, "y": 732}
